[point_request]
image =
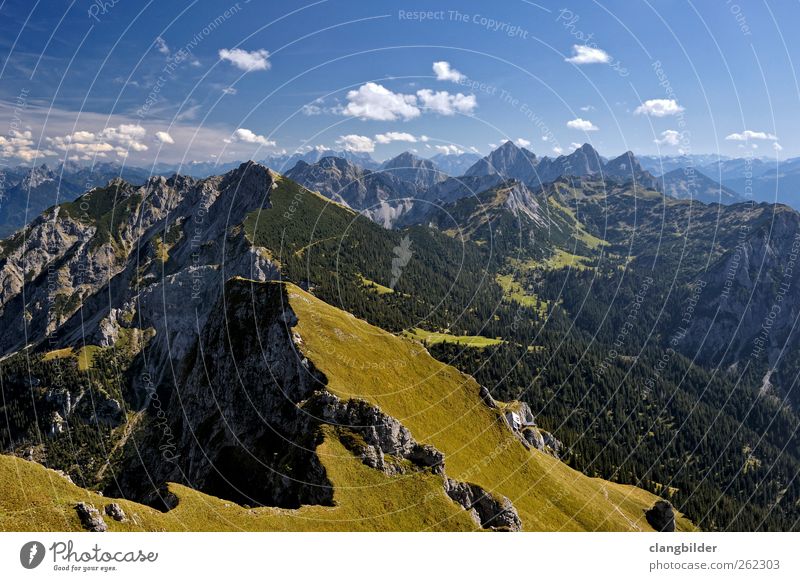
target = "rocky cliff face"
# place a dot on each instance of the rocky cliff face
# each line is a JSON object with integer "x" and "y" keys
{"x": 381, "y": 196}
{"x": 156, "y": 254}
{"x": 245, "y": 422}
{"x": 421, "y": 173}
{"x": 748, "y": 298}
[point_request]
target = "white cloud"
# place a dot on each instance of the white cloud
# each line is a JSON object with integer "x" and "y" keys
{"x": 582, "y": 125}
{"x": 256, "y": 60}
{"x": 669, "y": 137}
{"x": 391, "y": 136}
{"x": 376, "y": 102}
{"x": 587, "y": 108}
{"x": 19, "y": 144}
{"x": 587, "y": 55}
{"x": 243, "y": 135}
{"x": 575, "y": 145}
{"x": 449, "y": 149}
{"x": 424, "y": 138}
{"x": 229, "y": 91}
{"x": 164, "y": 137}
{"x": 444, "y": 72}
{"x": 313, "y": 108}
{"x": 557, "y": 150}
{"x": 444, "y": 103}
{"x": 50, "y": 127}
{"x": 777, "y": 146}
{"x": 747, "y": 135}
{"x": 161, "y": 45}
{"x": 522, "y": 142}
{"x": 118, "y": 140}
{"x": 658, "y": 108}
{"x": 359, "y": 143}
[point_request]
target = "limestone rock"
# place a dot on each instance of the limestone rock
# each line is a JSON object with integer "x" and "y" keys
{"x": 90, "y": 518}
{"x": 486, "y": 510}
{"x": 115, "y": 511}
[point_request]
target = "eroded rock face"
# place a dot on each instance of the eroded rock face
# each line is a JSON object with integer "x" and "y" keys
{"x": 486, "y": 510}
{"x": 90, "y": 518}
{"x": 234, "y": 427}
{"x": 169, "y": 248}
{"x": 379, "y": 433}
{"x": 115, "y": 511}
{"x": 661, "y": 517}
{"x": 249, "y": 415}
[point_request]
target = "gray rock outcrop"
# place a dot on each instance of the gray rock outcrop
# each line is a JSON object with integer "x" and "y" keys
{"x": 90, "y": 518}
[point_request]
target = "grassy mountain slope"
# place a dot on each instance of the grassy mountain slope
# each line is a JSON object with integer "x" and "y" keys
{"x": 440, "y": 406}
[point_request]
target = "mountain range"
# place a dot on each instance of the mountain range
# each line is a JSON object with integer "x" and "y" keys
{"x": 26, "y": 192}
{"x": 245, "y": 339}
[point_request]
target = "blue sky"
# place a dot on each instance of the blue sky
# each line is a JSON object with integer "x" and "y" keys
{"x": 221, "y": 80}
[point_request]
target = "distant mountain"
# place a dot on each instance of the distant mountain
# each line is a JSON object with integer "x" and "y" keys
{"x": 422, "y": 173}
{"x": 512, "y": 162}
{"x": 507, "y": 161}
{"x": 27, "y": 192}
{"x": 283, "y": 163}
{"x": 659, "y": 165}
{"x": 380, "y": 195}
{"x": 759, "y": 179}
{"x": 685, "y": 184}
{"x": 455, "y": 164}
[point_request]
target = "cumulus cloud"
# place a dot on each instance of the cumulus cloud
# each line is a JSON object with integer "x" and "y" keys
{"x": 747, "y": 135}
{"x": 376, "y": 102}
{"x": 557, "y": 150}
{"x": 358, "y": 143}
{"x": 256, "y": 60}
{"x": 658, "y": 108}
{"x": 522, "y": 142}
{"x": 391, "y": 136}
{"x": 575, "y": 145}
{"x": 444, "y": 72}
{"x": 449, "y": 149}
{"x": 587, "y": 55}
{"x": 582, "y": 125}
{"x": 164, "y": 137}
{"x": 19, "y": 145}
{"x": 444, "y": 103}
{"x": 118, "y": 140}
{"x": 669, "y": 137}
{"x": 243, "y": 135}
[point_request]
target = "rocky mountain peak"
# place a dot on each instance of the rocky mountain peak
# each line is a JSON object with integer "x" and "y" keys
{"x": 422, "y": 173}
